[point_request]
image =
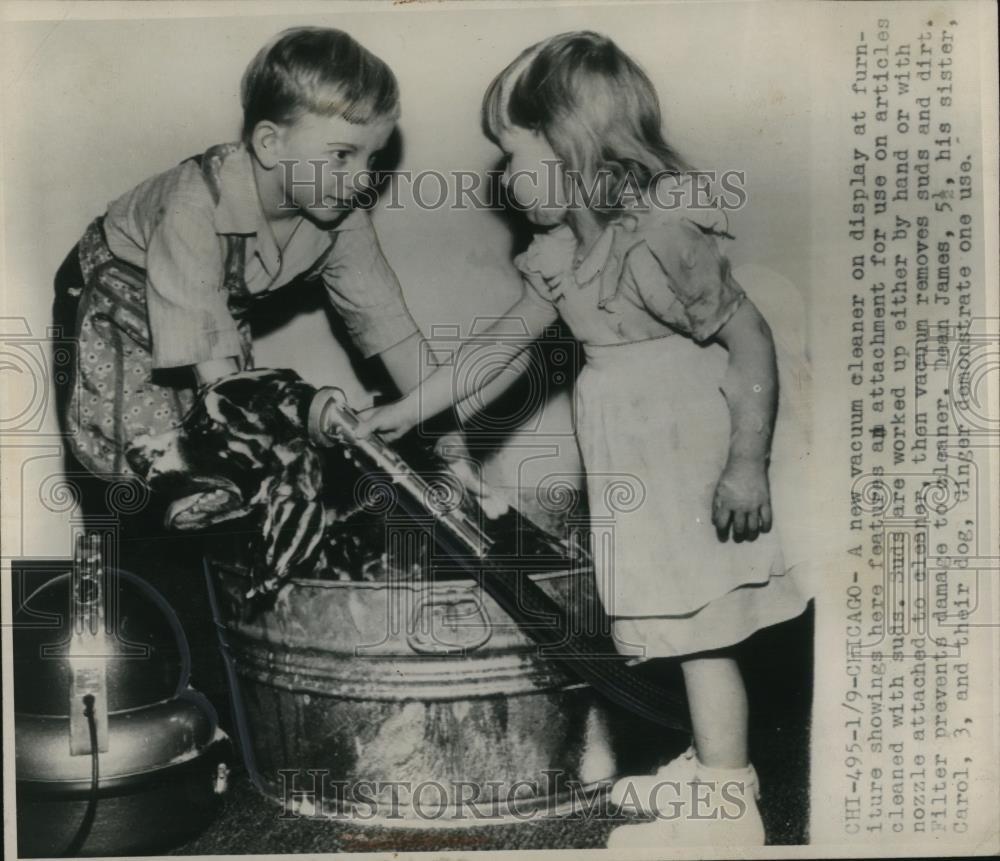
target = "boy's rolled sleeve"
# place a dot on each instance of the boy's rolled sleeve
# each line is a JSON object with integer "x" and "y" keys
{"x": 189, "y": 317}
{"x": 364, "y": 290}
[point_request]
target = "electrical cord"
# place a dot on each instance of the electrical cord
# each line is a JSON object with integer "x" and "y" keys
{"x": 235, "y": 697}
{"x": 76, "y": 844}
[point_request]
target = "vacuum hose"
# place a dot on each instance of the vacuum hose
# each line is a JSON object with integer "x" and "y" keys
{"x": 332, "y": 422}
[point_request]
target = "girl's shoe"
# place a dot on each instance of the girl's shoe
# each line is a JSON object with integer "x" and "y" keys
{"x": 644, "y": 794}
{"x": 718, "y": 808}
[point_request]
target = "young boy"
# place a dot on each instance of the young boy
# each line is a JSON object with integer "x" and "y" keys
{"x": 157, "y": 290}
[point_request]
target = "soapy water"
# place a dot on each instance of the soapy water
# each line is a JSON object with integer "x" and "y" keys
{"x": 372, "y": 532}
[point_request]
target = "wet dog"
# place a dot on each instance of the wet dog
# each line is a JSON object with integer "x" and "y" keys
{"x": 243, "y": 452}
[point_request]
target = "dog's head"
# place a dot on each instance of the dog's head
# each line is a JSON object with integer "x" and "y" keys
{"x": 242, "y": 448}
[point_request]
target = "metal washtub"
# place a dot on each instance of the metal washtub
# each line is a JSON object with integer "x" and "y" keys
{"x": 424, "y": 698}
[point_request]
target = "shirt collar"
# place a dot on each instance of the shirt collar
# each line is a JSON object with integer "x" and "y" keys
{"x": 238, "y": 210}
{"x": 594, "y": 262}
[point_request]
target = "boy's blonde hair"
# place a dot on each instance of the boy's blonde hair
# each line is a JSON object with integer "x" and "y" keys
{"x": 595, "y": 106}
{"x": 316, "y": 70}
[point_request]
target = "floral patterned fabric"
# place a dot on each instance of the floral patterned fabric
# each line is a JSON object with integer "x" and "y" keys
{"x": 116, "y": 394}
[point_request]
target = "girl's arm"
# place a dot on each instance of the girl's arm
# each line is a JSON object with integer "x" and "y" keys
{"x": 704, "y": 300}
{"x": 464, "y": 377}
{"x": 750, "y": 386}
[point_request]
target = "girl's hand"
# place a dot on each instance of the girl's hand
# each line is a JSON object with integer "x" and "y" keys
{"x": 390, "y": 421}
{"x": 451, "y": 448}
{"x": 743, "y": 500}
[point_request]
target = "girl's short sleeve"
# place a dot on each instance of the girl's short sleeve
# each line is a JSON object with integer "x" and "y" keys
{"x": 680, "y": 272}
{"x": 545, "y": 264}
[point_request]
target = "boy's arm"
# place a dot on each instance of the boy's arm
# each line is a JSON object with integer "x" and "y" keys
{"x": 363, "y": 289}
{"x": 750, "y": 387}
{"x": 215, "y": 369}
{"x": 188, "y": 315}
{"x": 402, "y": 363}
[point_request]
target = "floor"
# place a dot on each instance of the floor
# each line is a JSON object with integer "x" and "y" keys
{"x": 777, "y": 664}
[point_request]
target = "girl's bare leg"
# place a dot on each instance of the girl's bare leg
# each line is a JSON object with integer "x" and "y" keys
{"x": 719, "y": 712}
{"x": 718, "y": 703}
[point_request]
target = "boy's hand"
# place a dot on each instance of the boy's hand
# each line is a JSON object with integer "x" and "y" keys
{"x": 215, "y": 369}
{"x": 743, "y": 499}
{"x": 390, "y": 421}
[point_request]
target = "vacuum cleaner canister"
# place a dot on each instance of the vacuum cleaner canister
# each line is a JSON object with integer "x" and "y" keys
{"x": 115, "y": 753}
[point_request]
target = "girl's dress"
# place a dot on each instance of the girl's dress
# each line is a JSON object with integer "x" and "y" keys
{"x": 653, "y": 429}
{"x": 166, "y": 279}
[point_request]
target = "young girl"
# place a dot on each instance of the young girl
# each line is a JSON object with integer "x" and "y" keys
{"x": 678, "y": 396}
{"x": 158, "y": 289}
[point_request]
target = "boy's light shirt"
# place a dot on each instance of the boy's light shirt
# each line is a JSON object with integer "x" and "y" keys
{"x": 170, "y": 226}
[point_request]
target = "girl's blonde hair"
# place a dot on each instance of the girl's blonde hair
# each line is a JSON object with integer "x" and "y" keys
{"x": 316, "y": 70}
{"x": 595, "y": 106}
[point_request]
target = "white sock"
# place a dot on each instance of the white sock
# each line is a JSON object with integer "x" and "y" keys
{"x": 746, "y": 775}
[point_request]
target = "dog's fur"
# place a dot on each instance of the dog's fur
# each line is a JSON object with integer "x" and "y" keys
{"x": 243, "y": 452}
